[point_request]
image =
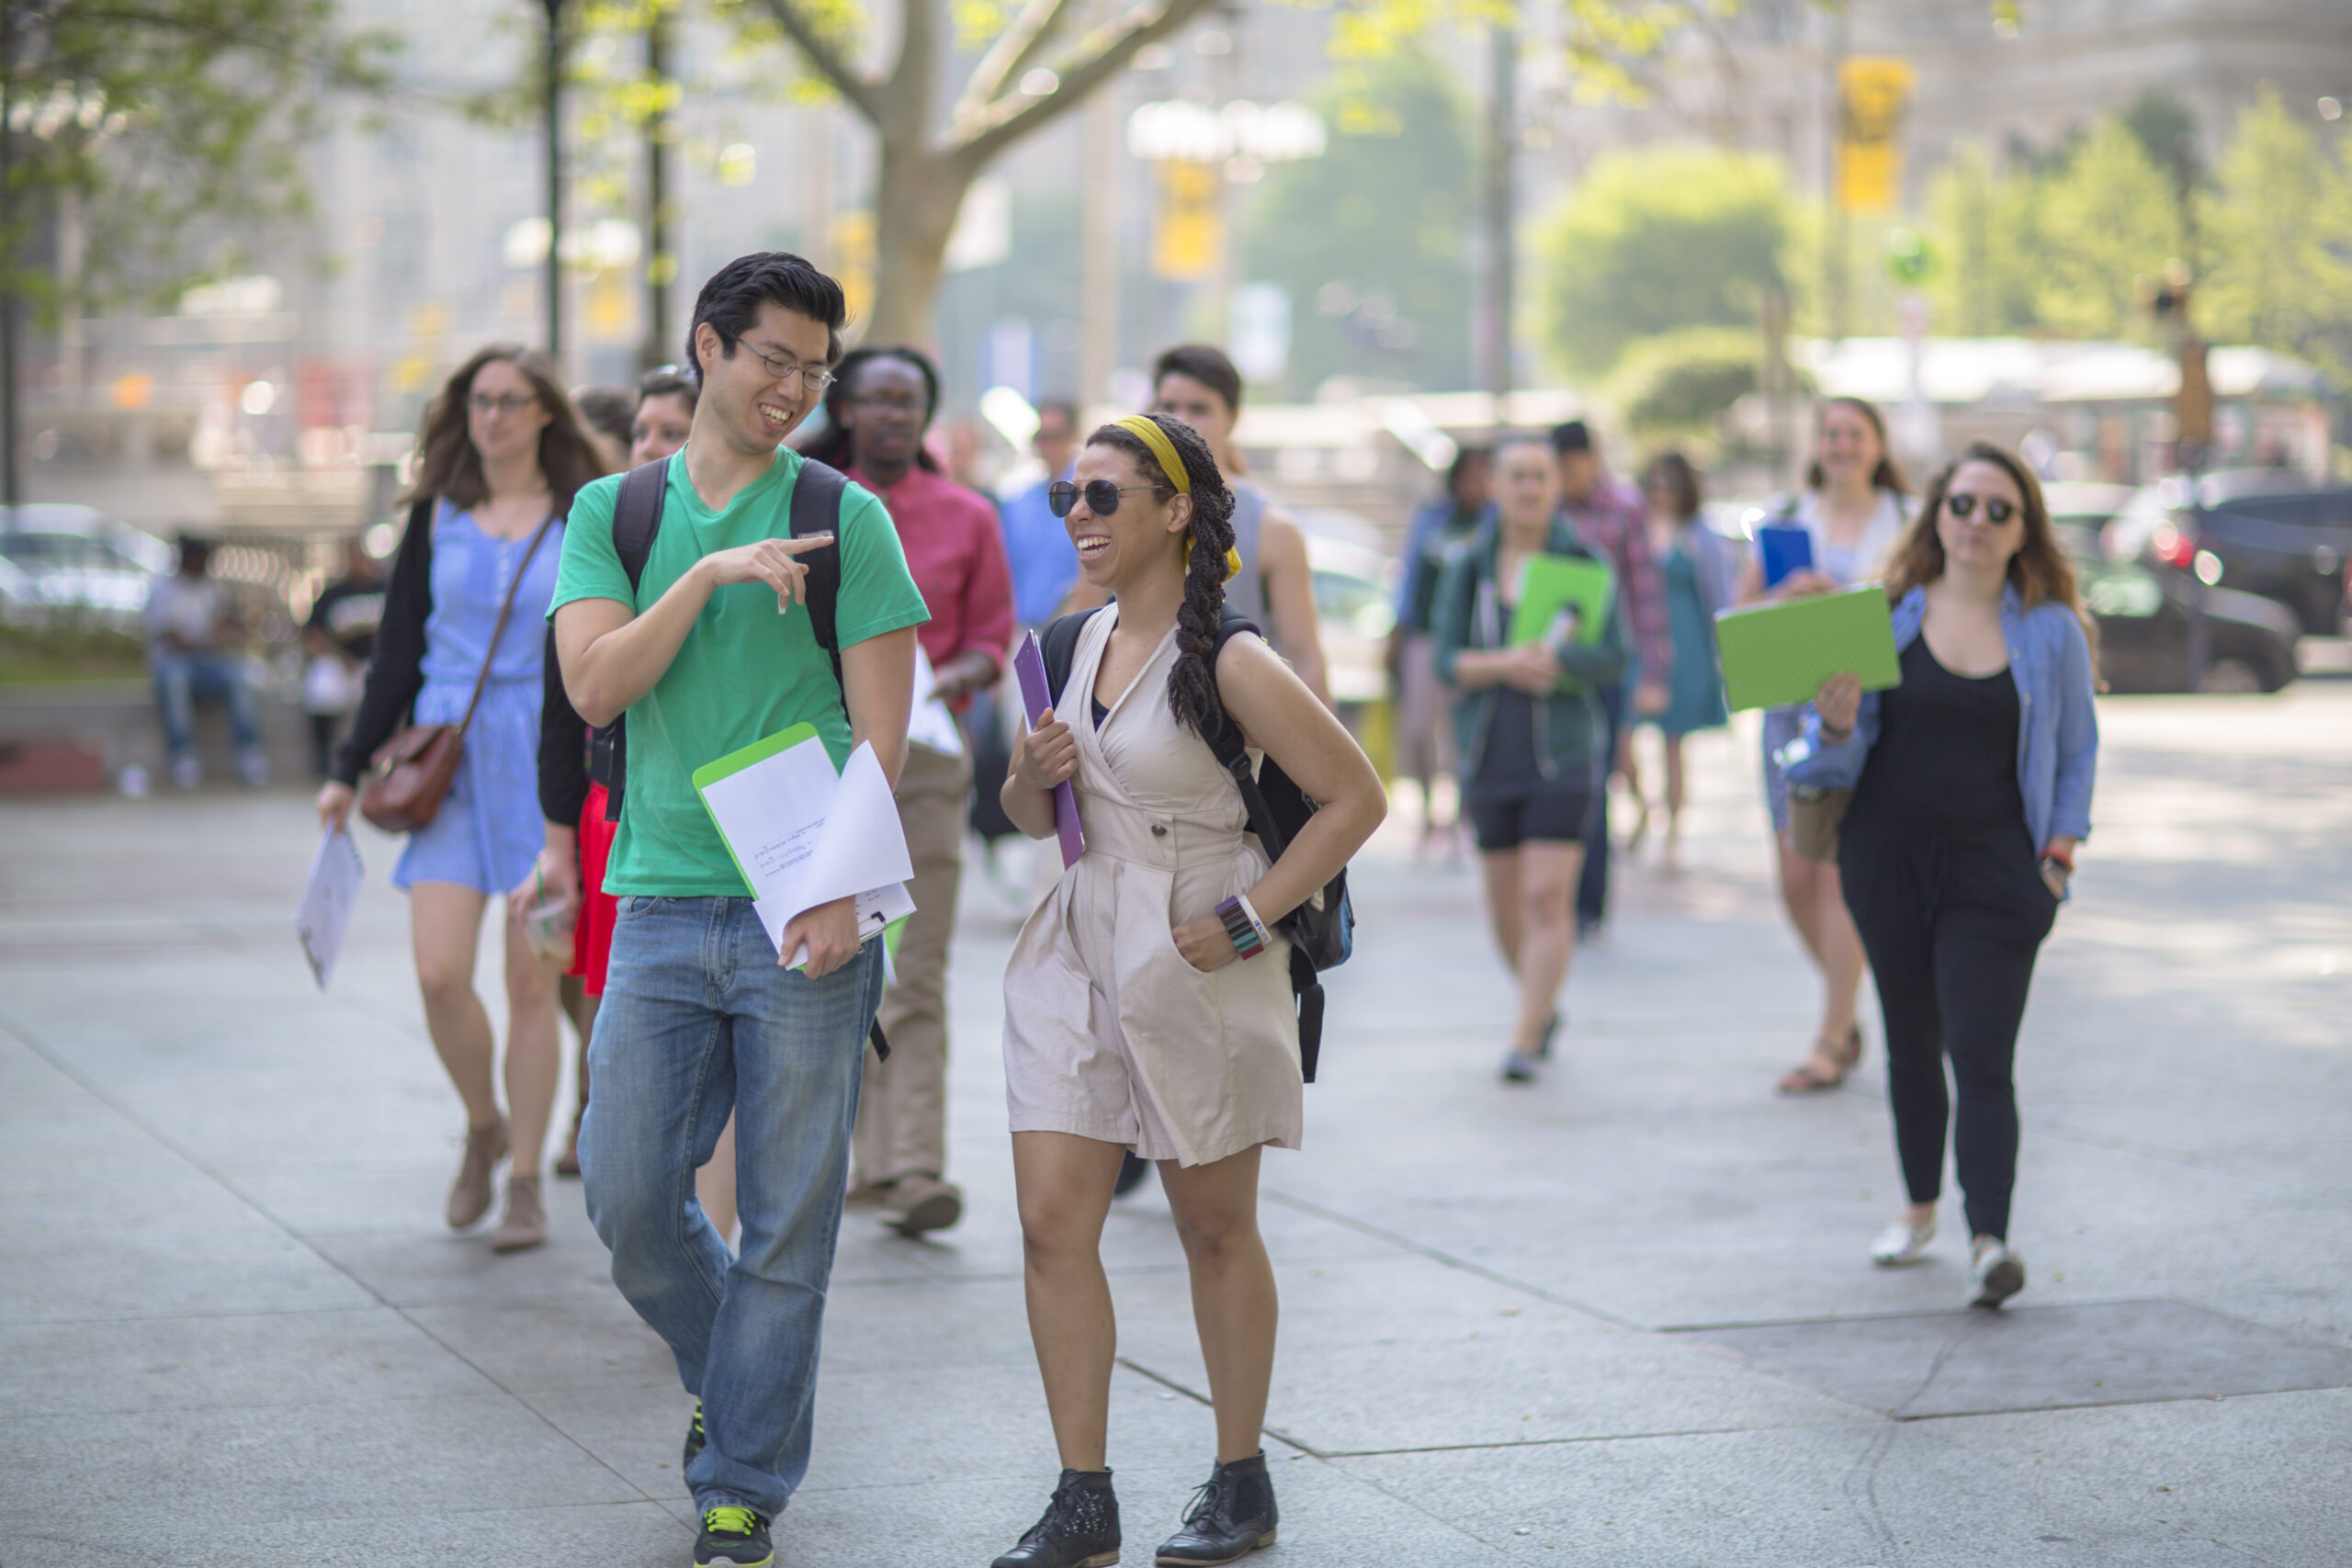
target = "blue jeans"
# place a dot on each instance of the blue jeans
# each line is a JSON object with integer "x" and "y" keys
{"x": 697, "y": 1021}
{"x": 181, "y": 679}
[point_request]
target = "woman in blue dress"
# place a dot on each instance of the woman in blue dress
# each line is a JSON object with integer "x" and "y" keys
{"x": 1701, "y": 572}
{"x": 500, "y": 455}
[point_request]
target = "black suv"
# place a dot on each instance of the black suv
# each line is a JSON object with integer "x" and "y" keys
{"x": 2269, "y": 531}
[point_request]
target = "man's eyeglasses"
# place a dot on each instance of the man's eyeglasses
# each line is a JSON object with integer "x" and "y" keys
{"x": 1101, "y": 496}
{"x": 1960, "y": 503}
{"x": 785, "y": 370}
{"x": 503, "y": 403}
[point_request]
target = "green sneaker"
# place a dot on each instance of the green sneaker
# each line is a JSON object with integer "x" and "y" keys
{"x": 733, "y": 1538}
{"x": 695, "y": 1439}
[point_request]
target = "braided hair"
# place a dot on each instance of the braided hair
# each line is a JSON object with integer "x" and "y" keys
{"x": 1191, "y": 683}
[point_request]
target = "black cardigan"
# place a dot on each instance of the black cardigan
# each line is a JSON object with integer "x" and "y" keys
{"x": 396, "y": 674}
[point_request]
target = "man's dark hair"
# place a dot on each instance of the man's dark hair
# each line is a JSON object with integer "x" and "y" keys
{"x": 195, "y": 553}
{"x": 1572, "y": 437}
{"x": 1062, "y": 406}
{"x": 1205, "y": 362}
{"x": 608, "y": 411}
{"x": 731, "y": 302}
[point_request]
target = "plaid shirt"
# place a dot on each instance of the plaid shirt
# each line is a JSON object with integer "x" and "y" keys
{"x": 1611, "y": 523}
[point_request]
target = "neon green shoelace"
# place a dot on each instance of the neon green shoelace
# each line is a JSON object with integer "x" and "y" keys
{"x": 729, "y": 1522}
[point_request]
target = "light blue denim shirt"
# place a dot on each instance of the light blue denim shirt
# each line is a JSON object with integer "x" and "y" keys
{"x": 2057, "y": 733}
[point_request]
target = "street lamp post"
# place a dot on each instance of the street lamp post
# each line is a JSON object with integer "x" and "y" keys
{"x": 661, "y": 267}
{"x": 555, "y": 179}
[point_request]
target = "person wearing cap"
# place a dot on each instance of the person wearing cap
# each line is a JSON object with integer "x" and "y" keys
{"x": 1608, "y": 519}
{"x": 1148, "y": 1004}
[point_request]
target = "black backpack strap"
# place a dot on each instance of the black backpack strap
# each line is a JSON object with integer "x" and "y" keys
{"x": 1058, "y": 644}
{"x": 1233, "y": 751}
{"x": 636, "y": 515}
{"x": 816, "y": 509}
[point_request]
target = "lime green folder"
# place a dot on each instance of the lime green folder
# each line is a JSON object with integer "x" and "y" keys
{"x": 1552, "y": 583}
{"x": 1774, "y": 655}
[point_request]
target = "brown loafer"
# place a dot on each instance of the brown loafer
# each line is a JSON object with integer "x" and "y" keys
{"x": 525, "y": 1224}
{"x": 470, "y": 1194}
{"x": 922, "y": 1203}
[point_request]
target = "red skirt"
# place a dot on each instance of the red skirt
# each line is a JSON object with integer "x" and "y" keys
{"x": 592, "y": 939}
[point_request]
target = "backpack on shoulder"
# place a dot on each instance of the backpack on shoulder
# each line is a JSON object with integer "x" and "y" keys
{"x": 637, "y": 519}
{"x": 1321, "y": 931}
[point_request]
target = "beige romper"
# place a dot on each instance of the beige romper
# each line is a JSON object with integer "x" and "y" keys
{"x": 1108, "y": 1032}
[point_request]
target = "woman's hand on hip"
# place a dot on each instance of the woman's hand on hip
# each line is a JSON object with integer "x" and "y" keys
{"x": 335, "y": 804}
{"x": 1840, "y": 699}
{"x": 1047, "y": 755}
{"x": 1204, "y": 945}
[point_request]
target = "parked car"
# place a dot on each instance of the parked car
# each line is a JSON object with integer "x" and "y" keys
{"x": 2265, "y": 531}
{"x": 1356, "y": 606}
{"x": 2143, "y": 612}
{"x": 58, "y": 560}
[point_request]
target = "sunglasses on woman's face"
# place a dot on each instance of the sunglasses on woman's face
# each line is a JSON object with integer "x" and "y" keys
{"x": 1997, "y": 511}
{"x": 1101, "y": 496}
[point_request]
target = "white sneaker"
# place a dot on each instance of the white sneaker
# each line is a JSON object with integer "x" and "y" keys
{"x": 1900, "y": 1244}
{"x": 1995, "y": 1274}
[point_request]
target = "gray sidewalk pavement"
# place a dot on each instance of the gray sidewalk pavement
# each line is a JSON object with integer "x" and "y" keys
{"x": 1621, "y": 1317}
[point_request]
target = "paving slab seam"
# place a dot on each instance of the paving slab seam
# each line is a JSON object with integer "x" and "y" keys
{"x": 1896, "y": 1316}
{"x": 42, "y": 1049}
{"x": 1862, "y": 1418}
{"x": 1435, "y": 1255}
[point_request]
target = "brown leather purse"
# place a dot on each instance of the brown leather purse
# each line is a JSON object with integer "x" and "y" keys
{"x": 409, "y": 776}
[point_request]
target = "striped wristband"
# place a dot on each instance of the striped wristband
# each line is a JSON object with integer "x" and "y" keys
{"x": 1242, "y": 927}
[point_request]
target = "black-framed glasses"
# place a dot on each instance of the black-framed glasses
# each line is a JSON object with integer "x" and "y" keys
{"x": 1997, "y": 510}
{"x": 1101, "y": 496}
{"x": 785, "y": 370}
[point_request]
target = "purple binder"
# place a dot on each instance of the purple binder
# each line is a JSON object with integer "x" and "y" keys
{"x": 1029, "y": 663}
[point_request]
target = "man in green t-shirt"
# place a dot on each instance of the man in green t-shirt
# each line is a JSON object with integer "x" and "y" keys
{"x": 710, "y": 652}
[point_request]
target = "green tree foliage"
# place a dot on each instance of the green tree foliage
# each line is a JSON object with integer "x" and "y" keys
{"x": 2277, "y": 241}
{"x": 1986, "y": 276}
{"x": 1371, "y": 240}
{"x": 2109, "y": 219}
{"x": 1680, "y": 383}
{"x": 158, "y": 120}
{"x": 1657, "y": 239}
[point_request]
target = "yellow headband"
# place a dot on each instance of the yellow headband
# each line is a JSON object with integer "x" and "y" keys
{"x": 1162, "y": 447}
{"x": 1148, "y": 431}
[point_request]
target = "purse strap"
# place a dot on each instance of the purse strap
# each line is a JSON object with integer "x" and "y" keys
{"x": 490, "y": 657}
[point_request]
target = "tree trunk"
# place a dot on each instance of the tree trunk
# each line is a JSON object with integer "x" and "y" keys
{"x": 916, "y": 199}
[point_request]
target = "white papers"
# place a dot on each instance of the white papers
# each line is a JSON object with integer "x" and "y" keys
{"x": 929, "y": 724}
{"x": 804, "y": 836}
{"x": 324, "y": 912}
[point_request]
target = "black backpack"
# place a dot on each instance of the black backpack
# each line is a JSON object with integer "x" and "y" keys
{"x": 636, "y": 518}
{"x": 1322, "y": 930}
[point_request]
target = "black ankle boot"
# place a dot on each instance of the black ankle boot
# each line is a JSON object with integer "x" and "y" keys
{"x": 1080, "y": 1529}
{"x": 1232, "y": 1516}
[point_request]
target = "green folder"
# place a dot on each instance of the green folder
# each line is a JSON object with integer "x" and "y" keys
{"x": 1552, "y": 583}
{"x": 1774, "y": 655}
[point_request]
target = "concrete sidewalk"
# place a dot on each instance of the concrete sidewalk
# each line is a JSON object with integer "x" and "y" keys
{"x": 1621, "y": 1317}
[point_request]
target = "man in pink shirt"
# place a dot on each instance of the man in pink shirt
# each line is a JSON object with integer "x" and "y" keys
{"x": 877, "y": 412}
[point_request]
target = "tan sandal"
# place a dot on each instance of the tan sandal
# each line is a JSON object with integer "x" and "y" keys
{"x": 1806, "y": 1076}
{"x": 525, "y": 1224}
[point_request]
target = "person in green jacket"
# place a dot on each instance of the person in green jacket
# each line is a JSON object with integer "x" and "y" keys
{"x": 1530, "y": 736}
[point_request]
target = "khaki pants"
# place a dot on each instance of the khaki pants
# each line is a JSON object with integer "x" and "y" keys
{"x": 903, "y": 1109}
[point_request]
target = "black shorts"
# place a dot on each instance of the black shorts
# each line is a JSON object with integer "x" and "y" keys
{"x": 1550, "y": 816}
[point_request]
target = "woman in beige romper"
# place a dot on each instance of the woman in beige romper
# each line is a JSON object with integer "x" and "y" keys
{"x": 1133, "y": 1017}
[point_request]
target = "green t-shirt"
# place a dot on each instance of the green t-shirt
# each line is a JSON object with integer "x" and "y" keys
{"x": 743, "y": 672}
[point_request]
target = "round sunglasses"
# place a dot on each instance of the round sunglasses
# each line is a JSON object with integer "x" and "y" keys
{"x": 1101, "y": 496}
{"x": 1997, "y": 510}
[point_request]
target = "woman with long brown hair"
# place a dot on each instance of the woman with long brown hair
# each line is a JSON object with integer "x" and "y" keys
{"x": 1851, "y": 511}
{"x": 1972, "y": 789}
{"x": 501, "y": 454}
